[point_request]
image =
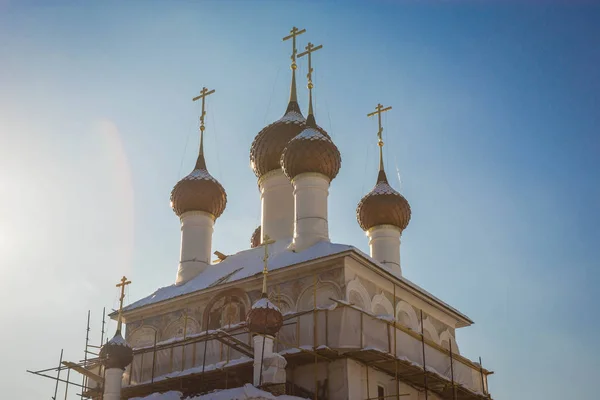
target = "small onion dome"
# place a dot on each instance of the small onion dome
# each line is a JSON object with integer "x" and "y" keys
{"x": 311, "y": 151}
{"x": 199, "y": 191}
{"x": 383, "y": 206}
{"x": 264, "y": 317}
{"x": 255, "y": 238}
{"x": 116, "y": 353}
{"x": 269, "y": 143}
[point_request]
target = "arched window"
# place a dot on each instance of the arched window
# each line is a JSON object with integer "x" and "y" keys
{"x": 225, "y": 309}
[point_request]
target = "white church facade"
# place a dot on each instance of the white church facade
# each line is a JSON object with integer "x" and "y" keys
{"x": 295, "y": 316}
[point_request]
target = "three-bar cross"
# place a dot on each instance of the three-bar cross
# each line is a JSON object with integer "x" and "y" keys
{"x": 379, "y": 110}
{"x": 293, "y": 33}
{"x": 124, "y": 282}
{"x": 310, "y": 48}
{"x": 203, "y": 93}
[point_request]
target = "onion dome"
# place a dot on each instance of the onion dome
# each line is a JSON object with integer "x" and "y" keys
{"x": 116, "y": 353}
{"x": 264, "y": 317}
{"x": 268, "y": 145}
{"x": 311, "y": 151}
{"x": 383, "y": 206}
{"x": 255, "y": 238}
{"x": 199, "y": 191}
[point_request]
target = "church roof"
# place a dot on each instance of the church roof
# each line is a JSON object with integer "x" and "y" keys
{"x": 248, "y": 263}
{"x": 242, "y": 265}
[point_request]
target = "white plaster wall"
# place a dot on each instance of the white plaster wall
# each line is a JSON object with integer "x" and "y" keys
{"x": 112, "y": 384}
{"x": 354, "y": 269}
{"x": 196, "y": 242}
{"x": 384, "y": 243}
{"x": 277, "y": 205}
{"x": 311, "y": 191}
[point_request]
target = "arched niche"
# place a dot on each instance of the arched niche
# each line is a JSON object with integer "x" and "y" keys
{"x": 142, "y": 337}
{"x": 380, "y": 305}
{"x": 325, "y": 292}
{"x": 282, "y": 301}
{"x": 358, "y": 295}
{"x": 446, "y": 339}
{"x": 181, "y": 327}
{"x": 226, "y": 308}
{"x": 429, "y": 331}
{"x": 406, "y": 315}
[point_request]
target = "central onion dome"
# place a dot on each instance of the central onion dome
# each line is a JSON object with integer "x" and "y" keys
{"x": 116, "y": 353}
{"x": 311, "y": 151}
{"x": 268, "y": 145}
{"x": 199, "y": 191}
{"x": 383, "y": 206}
{"x": 264, "y": 317}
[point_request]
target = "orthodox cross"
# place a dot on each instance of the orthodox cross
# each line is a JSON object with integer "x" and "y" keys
{"x": 203, "y": 93}
{"x": 293, "y": 33}
{"x": 124, "y": 282}
{"x": 379, "y": 110}
{"x": 310, "y": 48}
{"x": 266, "y": 242}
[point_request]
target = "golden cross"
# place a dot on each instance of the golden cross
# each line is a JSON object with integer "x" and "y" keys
{"x": 203, "y": 93}
{"x": 124, "y": 282}
{"x": 293, "y": 33}
{"x": 310, "y": 48}
{"x": 266, "y": 242}
{"x": 379, "y": 110}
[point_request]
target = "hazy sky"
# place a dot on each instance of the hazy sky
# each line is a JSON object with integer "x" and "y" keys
{"x": 494, "y": 132}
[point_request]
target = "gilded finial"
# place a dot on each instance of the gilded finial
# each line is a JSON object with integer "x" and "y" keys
{"x": 293, "y": 33}
{"x": 200, "y": 163}
{"x": 310, "y": 48}
{"x": 379, "y": 109}
{"x": 124, "y": 282}
{"x": 266, "y": 242}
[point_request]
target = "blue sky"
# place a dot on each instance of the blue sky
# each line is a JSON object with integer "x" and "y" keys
{"x": 494, "y": 132}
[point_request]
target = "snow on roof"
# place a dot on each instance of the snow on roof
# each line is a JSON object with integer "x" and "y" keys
{"x": 242, "y": 265}
{"x": 247, "y": 263}
{"x": 245, "y": 392}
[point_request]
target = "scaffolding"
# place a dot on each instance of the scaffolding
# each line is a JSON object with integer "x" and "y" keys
{"x": 223, "y": 358}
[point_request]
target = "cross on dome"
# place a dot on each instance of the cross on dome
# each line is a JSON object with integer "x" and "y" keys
{"x": 124, "y": 282}
{"x": 310, "y": 48}
{"x": 379, "y": 109}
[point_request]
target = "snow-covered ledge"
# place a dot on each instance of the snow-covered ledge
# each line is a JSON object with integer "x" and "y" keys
{"x": 246, "y": 392}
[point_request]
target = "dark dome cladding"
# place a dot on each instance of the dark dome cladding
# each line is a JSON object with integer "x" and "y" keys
{"x": 311, "y": 151}
{"x": 264, "y": 318}
{"x": 199, "y": 191}
{"x": 116, "y": 353}
{"x": 383, "y": 206}
{"x": 270, "y": 142}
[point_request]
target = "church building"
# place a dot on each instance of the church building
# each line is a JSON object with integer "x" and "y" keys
{"x": 296, "y": 315}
